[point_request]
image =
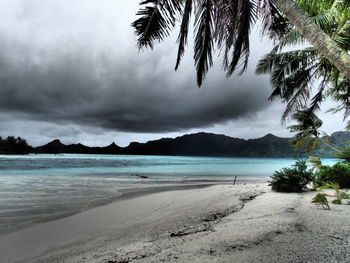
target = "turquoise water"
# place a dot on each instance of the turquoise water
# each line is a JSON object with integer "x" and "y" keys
{"x": 36, "y": 188}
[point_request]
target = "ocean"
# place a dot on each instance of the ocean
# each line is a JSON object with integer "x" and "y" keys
{"x": 38, "y": 188}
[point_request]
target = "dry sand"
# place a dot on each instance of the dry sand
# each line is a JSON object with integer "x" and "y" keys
{"x": 222, "y": 223}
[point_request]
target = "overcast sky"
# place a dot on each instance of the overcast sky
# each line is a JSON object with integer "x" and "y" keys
{"x": 71, "y": 70}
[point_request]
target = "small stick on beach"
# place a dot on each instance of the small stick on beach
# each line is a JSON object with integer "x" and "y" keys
{"x": 234, "y": 181}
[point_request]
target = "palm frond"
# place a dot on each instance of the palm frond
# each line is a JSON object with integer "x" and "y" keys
{"x": 293, "y": 37}
{"x": 226, "y": 17}
{"x": 157, "y": 19}
{"x": 247, "y": 14}
{"x": 341, "y": 94}
{"x": 269, "y": 15}
{"x": 287, "y": 62}
{"x": 317, "y": 98}
{"x": 182, "y": 38}
{"x": 203, "y": 47}
{"x": 310, "y": 112}
{"x": 296, "y": 91}
{"x": 307, "y": 124}
{"x": 342, "y": 36}
{"x": 291, "y": 76}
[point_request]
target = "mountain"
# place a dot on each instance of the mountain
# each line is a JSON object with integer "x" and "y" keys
{"x": 198, "y": 144}
{"x": 203, "y": 144}
{"x": 57, "y": 147}
{"x": 207, "y": 144}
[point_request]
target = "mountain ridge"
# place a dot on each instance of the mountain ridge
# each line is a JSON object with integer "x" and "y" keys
{"x": 196, "y": 144}
{"x": 199, "y": 144}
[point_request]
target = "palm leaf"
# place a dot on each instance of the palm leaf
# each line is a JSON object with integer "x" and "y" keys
{"x": 293, "y": 37}
{"x": 269, "y": 15}
{"x": 204, "y": 39}
{"x": 226, "y": 17}
{"x": 182, "y": 38}
{"x": 247, "y": 14}
{"x": 156, "y": 21}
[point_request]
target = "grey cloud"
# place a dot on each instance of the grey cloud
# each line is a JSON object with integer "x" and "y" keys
{"x": 134, "y": 92}
{"x": 67, "y": 66}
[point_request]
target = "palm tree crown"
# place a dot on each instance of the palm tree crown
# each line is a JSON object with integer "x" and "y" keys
{"x": 294, "y": 72}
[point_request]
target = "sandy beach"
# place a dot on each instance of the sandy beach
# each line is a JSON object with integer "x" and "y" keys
{"x": 220, "y": 223}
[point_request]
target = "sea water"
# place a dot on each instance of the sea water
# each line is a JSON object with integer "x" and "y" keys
{"x": 36, "y": 188}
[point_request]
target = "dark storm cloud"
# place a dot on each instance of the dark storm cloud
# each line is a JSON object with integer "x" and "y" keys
{"x": 128, "y": 92}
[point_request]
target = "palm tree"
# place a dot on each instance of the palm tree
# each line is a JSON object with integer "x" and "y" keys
{"x": 293, "y": 73}
{"x": 226, "y": 24}
{"x": 313, "y": 33}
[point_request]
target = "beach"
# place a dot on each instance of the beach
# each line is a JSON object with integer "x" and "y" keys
{"x": 218, "y": 223}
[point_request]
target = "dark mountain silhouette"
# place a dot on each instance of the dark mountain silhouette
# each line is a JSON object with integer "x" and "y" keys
{"x": 207, "y": 144}
{"x": 57, "y": 147}
{"x": 199, "y": 144}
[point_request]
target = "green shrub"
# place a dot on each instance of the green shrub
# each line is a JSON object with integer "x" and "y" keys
{"x": 292, "y": 179}
{"x": 336, "y": 202}
{"x": 321, "y": 200}
{"x": 344, "y": 195}
{"x": 339, "y": 173}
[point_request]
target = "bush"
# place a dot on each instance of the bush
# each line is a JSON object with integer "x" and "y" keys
{"x": 338, "y": 173}
{"x": 336, "y": 202}
{"x": 292, "y": 179}
{"x": 344, "y": 195}
{"x": 321, "y": 200}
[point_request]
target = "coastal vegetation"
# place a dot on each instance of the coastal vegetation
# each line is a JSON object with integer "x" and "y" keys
{"x": 339, "y": 173}
{"x": 321, "y": 200}
{"x": 13, "y": 145}
{"x": 320, "y": 177}
{"x": 294, "y": 179}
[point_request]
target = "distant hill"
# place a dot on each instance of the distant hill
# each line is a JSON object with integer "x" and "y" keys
{"x": 200, "y": 144}
{"x": 57, "y": 147}
{"x": 207, "y": 144}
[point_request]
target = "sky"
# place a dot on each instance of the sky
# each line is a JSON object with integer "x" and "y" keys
{"x": 71, "y": 69}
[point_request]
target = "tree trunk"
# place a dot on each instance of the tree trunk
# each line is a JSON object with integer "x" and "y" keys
{"x": 315, "y": 35}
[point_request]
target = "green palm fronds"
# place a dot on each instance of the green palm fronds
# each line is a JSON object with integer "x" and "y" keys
{"x": 295, "y": 71}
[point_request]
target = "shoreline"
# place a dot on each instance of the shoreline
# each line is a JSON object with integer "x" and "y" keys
{"x": 174, "y": 208}
{"x": 124, "y": 194}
